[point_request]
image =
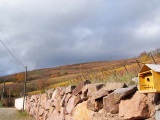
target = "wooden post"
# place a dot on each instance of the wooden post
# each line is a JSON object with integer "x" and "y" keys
{"x": 138, "y": 64}
{"x": 125, "y": 68}
{"x": 24, "y": 94}
{"x": 3, "y": 90}
{"x": 153, "y": 59}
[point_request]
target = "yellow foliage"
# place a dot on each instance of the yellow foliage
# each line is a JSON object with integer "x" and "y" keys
{"x": 34, "y": 92}
{"x": 144, "y": 58}
{"x": 60, "y": 84}
{"x": 9, "y": 83}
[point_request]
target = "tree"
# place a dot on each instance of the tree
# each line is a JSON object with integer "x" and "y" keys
{"x": 144, "y": 56}
{"x": 41, "y": 85}
{"x": 19, "y": 77}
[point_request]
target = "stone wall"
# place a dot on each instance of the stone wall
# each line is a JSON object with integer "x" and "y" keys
{"x": 110, "y": 101}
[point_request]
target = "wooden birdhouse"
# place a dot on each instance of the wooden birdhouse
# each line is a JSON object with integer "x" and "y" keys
{"x": 149, "y": 78}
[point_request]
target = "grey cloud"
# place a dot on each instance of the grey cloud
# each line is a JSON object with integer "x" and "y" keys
{"x": 58, "y": 32}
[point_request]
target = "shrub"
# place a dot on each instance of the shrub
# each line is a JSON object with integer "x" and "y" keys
{"x": 144, "y": 56}
{"x": 8, "y": 102}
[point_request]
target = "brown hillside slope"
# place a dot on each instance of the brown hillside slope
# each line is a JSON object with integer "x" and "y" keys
{"x": 102, "y": 71}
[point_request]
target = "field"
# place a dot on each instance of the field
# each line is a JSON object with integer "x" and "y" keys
{"x": 103, "y": 71}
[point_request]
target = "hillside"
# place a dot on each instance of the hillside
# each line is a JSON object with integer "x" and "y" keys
{"x": 103, "y": 71}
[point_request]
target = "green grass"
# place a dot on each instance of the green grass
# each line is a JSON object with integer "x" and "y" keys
{"x": 22, "y": 113}
{"x": 1, "y": 104}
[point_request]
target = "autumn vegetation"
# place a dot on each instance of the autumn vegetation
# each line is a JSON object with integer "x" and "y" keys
{"x": 40, "y": 80}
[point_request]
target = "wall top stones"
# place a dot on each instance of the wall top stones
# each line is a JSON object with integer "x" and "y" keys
{"x": 88, "y": 101}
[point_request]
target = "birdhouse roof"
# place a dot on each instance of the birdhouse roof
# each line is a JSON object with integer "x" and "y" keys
{"x": 153, "y": 67}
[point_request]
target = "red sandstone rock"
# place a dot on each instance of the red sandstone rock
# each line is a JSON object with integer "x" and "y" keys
{"x": 51, "y": 109}
{"x": 41, "y": 112}
{"x": 111, "y": 86}
{"x": 79, "y": 87}
{"x": 110, "y": 104}
{"x": 92, "y": 88}
{"x": 134, "y": 108}
{"x": 90, "y": 105}
{"x": 57, "y": 102}
{"x": 43, "y": 100}
{"x": 68, "y": 96}
{"x": 62, "y": 102}
{"x": 72, "y": 103}
{"x": 95, "y": 105}
{"x": 49, "y": 93}
{"x": 151, "y": 103}
{"x": 99, "y": 94}
{"x": 66, "y": 106}
{"x": 56, "y": 93}
{"x": 81, "y": 112}
{"x": 123, "y": 92}
{"x": 69, "y": 89}
{"x": 55, "y": 116}
{"x": 68, "y": 117}
{"x": 48, "y": 104}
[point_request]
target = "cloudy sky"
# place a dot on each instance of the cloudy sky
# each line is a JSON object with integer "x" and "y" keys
{"x": 49, "y": 33}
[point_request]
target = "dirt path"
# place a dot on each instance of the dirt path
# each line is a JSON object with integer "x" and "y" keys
{"x": 12, "y": 114}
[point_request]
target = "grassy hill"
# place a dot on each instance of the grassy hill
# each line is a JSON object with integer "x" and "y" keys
{"x": 103, "y": 71}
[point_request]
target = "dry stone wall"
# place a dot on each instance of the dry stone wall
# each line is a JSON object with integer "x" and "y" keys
{"x": 110, "y": 101}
